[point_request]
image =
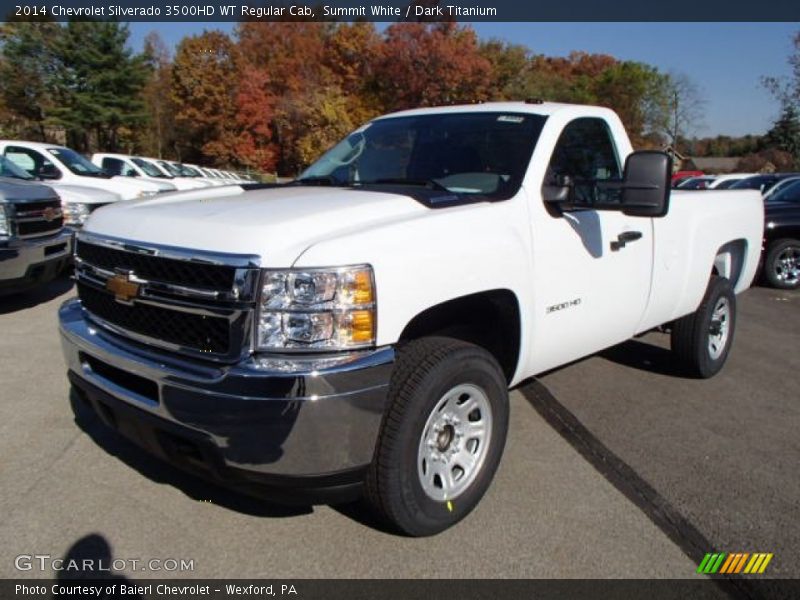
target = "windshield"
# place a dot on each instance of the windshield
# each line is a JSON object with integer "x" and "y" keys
{"x": 724, "y": 185}
{"x": 77, "y": 163}
{"x": 9, "y": 169}
{"x": 169, "y": 168}
{"x": 189, "y": 171}
{"x": 149, "y": 168}
{"x": 695, "y": 183}
{"x": 468, "y": 153}
{"x": 789, "y": 192}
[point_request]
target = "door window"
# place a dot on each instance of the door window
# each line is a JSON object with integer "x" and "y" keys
{"x": 31, "y": 160}
{"x": 585, "y": 152}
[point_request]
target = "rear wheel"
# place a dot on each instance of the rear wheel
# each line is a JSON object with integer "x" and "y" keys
{"x": 442, "y": 437}
{"x": 782, "y": 264}
{"x": 701, "y": 340}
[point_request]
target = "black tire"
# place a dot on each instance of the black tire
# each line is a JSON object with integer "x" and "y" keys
{"x": 426, "y": 370}
{"x": 775, "y": 267}
{"x": 691, "y": 335}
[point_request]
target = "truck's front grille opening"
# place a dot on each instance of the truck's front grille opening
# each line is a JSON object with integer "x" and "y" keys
{"x": 37, "y": 228}
{"x": 157, "y": 268}
{"x": 187, "y": 330}
{"x": 38, "y": 219}
{"x": 136, "y": 384}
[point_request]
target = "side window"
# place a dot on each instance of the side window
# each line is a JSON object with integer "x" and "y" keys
{"x": 127, "y": 170}
{"x": 30, "y": 160}
{"x": 584, "y": 152}
{"x": 113, "y": 166}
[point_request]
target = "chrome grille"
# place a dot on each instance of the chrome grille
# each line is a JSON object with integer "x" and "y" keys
{"x": 38, "y": 219}
{"x": 190, "y": 302}
{"x": 166, "y": 270}
{"x": 204, "y": 333}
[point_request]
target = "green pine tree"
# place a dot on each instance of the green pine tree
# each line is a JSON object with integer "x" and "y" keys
{"x": 785, "y": 133}
{"x": 27, "y": 73}
{"x": 98, "y": 84}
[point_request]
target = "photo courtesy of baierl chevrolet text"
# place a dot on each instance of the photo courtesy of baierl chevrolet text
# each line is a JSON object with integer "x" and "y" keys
{"x": 331, "y": 300}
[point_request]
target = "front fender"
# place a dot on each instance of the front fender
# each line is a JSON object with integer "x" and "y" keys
{"x": 436, "y": 256}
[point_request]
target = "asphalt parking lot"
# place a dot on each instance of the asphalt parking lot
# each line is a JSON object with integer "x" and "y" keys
{"x": 615, "y": 467}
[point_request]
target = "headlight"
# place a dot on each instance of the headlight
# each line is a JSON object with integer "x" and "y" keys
{"x": 75, "y": 213}
{"x": 331, "y": 309}
{"x": 4, "y": 228}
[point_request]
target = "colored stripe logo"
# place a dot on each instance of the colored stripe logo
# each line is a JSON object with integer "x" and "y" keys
{"x": 734, "y": 562}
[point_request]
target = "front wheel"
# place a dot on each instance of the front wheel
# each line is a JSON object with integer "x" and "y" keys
{"x": 701, "y": 340}
{"x": 782, "y": 264}
{"x": 442, "y": 437}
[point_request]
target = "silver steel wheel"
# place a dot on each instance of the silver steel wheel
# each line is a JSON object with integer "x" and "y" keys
{"x": 719, "y": 329}
{"x": 787, "y": 265}
{"x": 454, "y": 442}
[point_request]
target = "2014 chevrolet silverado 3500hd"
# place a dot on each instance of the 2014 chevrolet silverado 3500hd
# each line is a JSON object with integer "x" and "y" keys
{"x": 357, "y": 330}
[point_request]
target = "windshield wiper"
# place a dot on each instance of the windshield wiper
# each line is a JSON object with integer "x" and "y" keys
{"x": 428, "y": 183}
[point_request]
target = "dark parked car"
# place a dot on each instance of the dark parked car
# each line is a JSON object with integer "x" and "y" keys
{"x": 760, "y": 182}
{"x": 696, "y": 183}
{"x": 782, "y": 237}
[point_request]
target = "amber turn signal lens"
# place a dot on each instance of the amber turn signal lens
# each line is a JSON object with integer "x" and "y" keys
{"x": 356, "y": 288}
{"x": 362, "y": 326}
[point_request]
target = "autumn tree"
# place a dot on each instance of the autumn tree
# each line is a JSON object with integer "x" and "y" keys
{"x": 292, "y": 53}
{"x": 205, "y": 81}
{"x": 769, "y": 160}
{"x": 638, "y": 93}
{"x": 314, "y": 122}
{"x": 158, "y": 137}
{"x": 725, "y": 145}
{"x": 255, "y": 145}
{"x": 430, "y": 64}
{"x": 510, "y": 64}
{"x": 350, "y": 63}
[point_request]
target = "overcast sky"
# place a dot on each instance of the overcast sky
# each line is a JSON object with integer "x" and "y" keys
{"x": 725, "y": 60}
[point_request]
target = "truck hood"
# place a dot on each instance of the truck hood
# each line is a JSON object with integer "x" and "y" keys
{"x": 18, "y": 190}
{"x": 161, "y": 184}
{"x": 83, "y": 194}
{"x": 127, "y": 187}
{"x": 277, "y": 224}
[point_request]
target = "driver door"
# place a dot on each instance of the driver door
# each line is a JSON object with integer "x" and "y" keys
{"x": 592, "y": 293}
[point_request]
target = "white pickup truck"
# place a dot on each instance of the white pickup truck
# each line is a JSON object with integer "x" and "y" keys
{"x": 356, "y": 331}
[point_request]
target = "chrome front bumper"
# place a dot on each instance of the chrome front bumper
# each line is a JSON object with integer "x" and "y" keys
{"x": 29, "y": 261}
{"x": 272, "y": 416}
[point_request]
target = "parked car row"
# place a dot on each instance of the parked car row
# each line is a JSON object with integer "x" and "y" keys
{"x": 182, "y": 176}
{"x": 764, "y": 182}
{"x": 47, "y": 191}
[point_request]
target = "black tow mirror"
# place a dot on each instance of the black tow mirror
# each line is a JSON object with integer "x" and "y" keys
{"x": 559, "y": 190}
{"x": 48, "y": 171}
{"x": 646, "y": 184}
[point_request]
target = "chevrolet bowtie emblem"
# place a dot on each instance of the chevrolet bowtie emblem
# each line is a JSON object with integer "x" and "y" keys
{"x": 122, "y": 287}
{"x": 50, "y": 214}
